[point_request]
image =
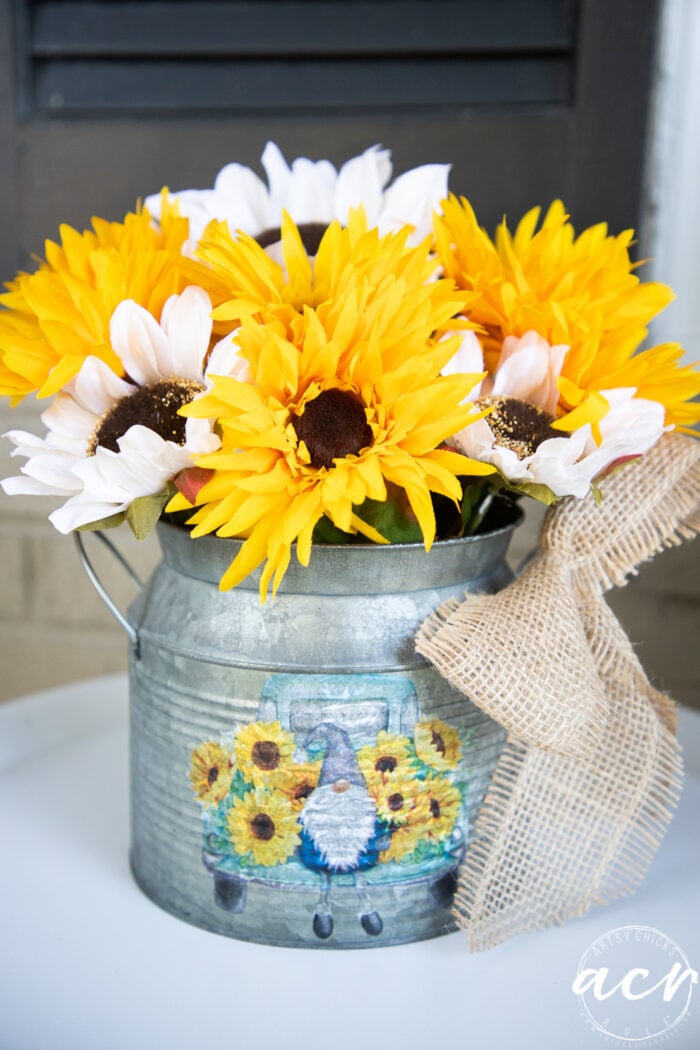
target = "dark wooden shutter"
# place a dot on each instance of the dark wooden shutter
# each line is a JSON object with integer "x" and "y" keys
{"x": 102, "y": 102}
{"x": 346, "y": 57}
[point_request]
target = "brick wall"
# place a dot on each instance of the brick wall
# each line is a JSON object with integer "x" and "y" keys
{"x": 53, "y": 626}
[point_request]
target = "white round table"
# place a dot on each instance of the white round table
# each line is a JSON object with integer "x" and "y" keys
{"x": 88, "y": 962}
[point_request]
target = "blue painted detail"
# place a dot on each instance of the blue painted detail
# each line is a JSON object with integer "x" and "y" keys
{"x": 362, "y": 704}
{"x": 311, "y": 857}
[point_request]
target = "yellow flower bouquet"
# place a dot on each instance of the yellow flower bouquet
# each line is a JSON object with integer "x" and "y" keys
{"x": 325, "y": 359}
{"x": 345, "y": 368}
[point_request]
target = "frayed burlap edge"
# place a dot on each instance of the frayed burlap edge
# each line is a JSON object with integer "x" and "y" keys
{"x": 560, "y": 832}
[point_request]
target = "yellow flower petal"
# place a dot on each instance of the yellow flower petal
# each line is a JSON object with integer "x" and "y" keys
{"x": 364, "y": 338}
{"x": 581, "y": 292}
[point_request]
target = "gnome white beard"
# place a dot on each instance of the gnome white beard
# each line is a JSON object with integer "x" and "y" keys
{"x": 340, "y": 824}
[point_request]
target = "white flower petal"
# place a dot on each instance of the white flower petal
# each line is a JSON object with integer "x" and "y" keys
{"x": 309, "y": 196}
{"x": 361, "y": 181}
{"x": 48, "y": 470}
{"x": 199, "y": 206}
{"x": 68, "y": 420}
{"x": 96, "y": 387}
{"x": 140, "y": 342}
{"x": 142, "y": 467}
{"x": 305, "y": 190}
{"x": 201, "y": 439}
{"x": 631, "y": 427}
{"x": 26, "y": 444}
{"x": 24, "y": 486}
{"x": 226, "y": 359}
{"x": 476, "y": 440}
{"x": 313, "y": 191}
{"x": 521, "y": 374}
{"x": 556, "y": 463}
{"x": 75, "y": 513}
{"x": 278, "y": 175}
{"x": 469, "y": 359}
{"x": 528, "y": 368}
{"x": 241, "y": 197}
{"x": 186, "y": 321}
{"x": 412, "y": 199}
{"x": 51, "y": 470}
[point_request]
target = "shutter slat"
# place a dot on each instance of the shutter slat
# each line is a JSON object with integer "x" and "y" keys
{"x": 198, "y": 56}
{"x": 306, "y": 28}
{"x": 87, "y": 86}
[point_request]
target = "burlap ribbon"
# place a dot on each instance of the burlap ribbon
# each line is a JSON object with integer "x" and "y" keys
{"x": 591, "y": 772}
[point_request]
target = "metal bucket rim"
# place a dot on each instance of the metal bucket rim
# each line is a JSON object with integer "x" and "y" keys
{"x": 351, "y": 560}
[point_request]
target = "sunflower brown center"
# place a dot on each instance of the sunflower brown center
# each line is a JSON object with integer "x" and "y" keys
{"x": 434, "y": 808}
{"x": 302, "y": 790}
{"x": 395, "y": 801}
{"x": 332, "y": 426}
{"x": 518, "y": 425}
{"x": 263, "y": 827}
{"x": 155, "y": 406}
{"x": 385, "y": 764}
{"x": 213, "y": 775}
{"x": 311, "y": 234}
{"x": 437, "y": 742}
{"x": 265, "y": 754}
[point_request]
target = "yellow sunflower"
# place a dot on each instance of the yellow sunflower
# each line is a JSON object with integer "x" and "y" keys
{"x": 404, "y": 841}
{"x": 346, "y": 395}
{"x": 388, "y": 757}
{"x": 60, "y": 314}
{"x": 211, "y": 771}
{"x": 438, "y": 745}
{"x": 575, "y": 291}
{"x": 443, "y": 802}
{"x": 298, "y": 781}
{"x": 263, "y": 824}
{"x": 263, "y": 751}
{"x": 400, "y": 800}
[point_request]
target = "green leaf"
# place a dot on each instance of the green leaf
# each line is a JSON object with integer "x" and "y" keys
{"x": 239, "y": 785}
{"x": 393, "y": 517}
{"x": 144, "y": 512}
{"x": 542, "y": 493}
{"x": 476, "y": 502}
{"x": 473, "y": 494}
{"x": 104, "y": 523}
{"x": 326, "y": 532}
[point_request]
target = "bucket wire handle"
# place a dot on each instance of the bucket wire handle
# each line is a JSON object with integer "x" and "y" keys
{"x": 94, "y": 579}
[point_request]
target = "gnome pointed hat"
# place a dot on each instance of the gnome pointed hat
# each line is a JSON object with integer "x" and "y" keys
{"x": 340, "y": 761}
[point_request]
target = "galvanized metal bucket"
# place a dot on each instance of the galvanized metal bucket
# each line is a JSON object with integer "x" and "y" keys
{"x": 299, "y": 775}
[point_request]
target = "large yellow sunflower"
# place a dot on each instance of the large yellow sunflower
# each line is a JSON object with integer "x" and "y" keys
{"x": 297, "y": 781}
{"x": 581, "y": 292}
{"x": 438, "y": 745}
{"x": 443, "y": 802}
{"x": 263, "y": 751}
{"x": 404, "y": 841}
{"x": 60, "y": 314}
{"x": 345, "y": 396}
{"x": 400, "y": 799}
{"x": 211, "y": 771}
{"x": 388, "y": 757}
{"x": 263, "y": 824}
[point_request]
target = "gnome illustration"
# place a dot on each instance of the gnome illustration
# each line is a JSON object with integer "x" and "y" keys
{"x": 340, "y": 830}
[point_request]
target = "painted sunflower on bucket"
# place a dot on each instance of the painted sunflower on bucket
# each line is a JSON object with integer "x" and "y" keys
{"x": 331, "y": 357}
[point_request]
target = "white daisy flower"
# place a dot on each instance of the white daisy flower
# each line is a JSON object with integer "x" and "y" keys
{"x": 111, "y": 440}
{"x": 517, "y": 437}
{"x": 314, "y": 194}
{"x": 528, "y": 368}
